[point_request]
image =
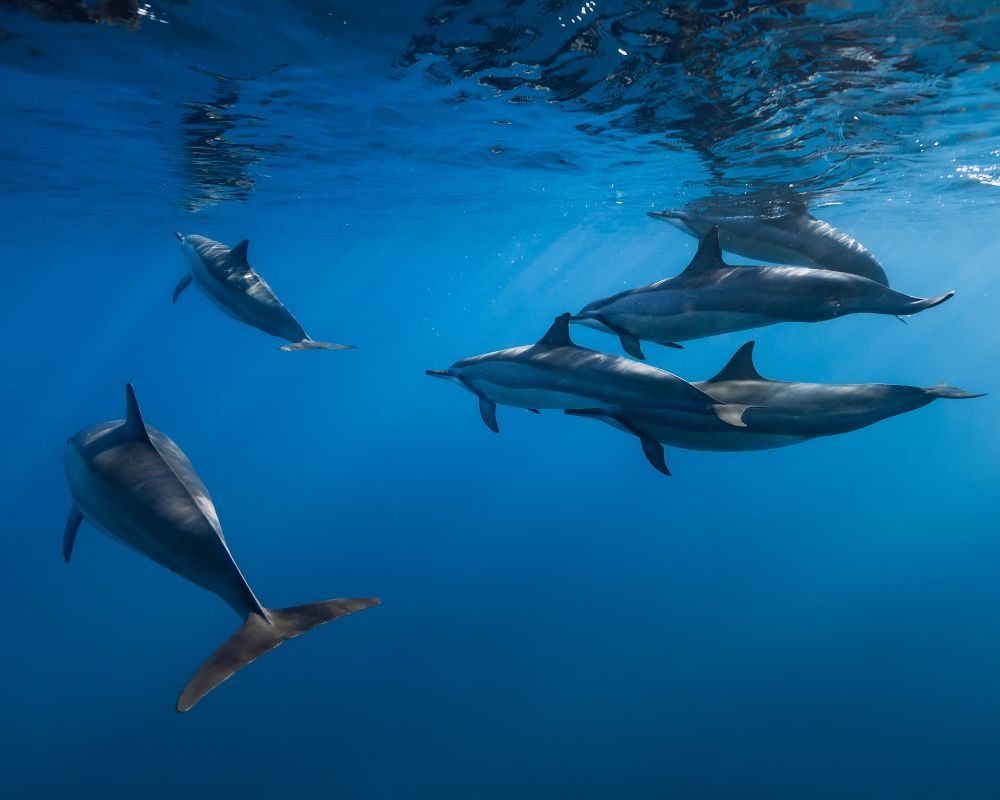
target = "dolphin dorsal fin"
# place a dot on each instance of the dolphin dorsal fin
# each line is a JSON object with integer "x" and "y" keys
{"x": 709, "y": 255}
{"x": 740, "y": 367}
{"x": 558, "y": 334}
{"x": 238, "y": 255}
{"x": 134, "y": 425}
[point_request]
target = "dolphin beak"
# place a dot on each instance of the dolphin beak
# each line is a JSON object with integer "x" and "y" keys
{"x": 440, "y": 373}
{"x": 667, "y": 216}
{"x": 180, "y": 236}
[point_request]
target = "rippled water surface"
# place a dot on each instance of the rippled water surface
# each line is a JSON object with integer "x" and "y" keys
{"x": 431, "y": 182}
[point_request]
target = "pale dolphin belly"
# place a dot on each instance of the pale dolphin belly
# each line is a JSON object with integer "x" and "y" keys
{"x": 532, "y": 396}
{"x": 732, "y": 440}
{"x": 689, "y": 324}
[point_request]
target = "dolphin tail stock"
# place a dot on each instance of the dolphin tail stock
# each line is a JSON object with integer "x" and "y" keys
{"x": 312, "y": 344}
{"x": 260, "y": 634}
{"x": 918, "y": 304}
{"x": 952, "y": 392}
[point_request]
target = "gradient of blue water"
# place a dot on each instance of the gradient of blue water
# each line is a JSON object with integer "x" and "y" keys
{"x": 559, "y": 620}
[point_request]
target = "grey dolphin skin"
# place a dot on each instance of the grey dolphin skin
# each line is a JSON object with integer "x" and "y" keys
{"x": 226, "y": 278}
{"x": 779, "y": 413}
{"x": 712, "y": 297}
{"x": 132, "y": 482}
{"x": 556, "y": 373}
{"x": 793, "y": 237}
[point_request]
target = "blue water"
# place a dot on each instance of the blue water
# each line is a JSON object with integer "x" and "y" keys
{"x": 558, "y": 619}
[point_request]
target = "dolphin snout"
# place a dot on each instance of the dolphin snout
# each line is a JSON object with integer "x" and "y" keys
{"x": 679, "y": 219}
{"x": 440, "y": 373}
{"x": 590, "y": 319}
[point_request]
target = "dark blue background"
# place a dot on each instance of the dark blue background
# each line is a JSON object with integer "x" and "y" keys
{"x": 558, "y": 619}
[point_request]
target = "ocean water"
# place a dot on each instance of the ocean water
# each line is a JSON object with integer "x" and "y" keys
{"x": 558, "y": 619}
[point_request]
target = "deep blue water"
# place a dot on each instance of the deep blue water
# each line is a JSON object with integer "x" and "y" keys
{"x": 558, "y": 619}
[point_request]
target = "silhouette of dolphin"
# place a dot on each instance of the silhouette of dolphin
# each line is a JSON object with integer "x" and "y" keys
{"x": 226, "y": 278}
{"x": 556, "y": 373}
{"x": 778, "y": 413}
{"x": 132, "y": 482}
{"x": 712, "y": 297}
{"x": 790, "y": 237}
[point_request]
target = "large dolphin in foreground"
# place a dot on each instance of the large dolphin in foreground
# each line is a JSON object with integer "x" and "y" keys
{"x": 712, "y": 297}
{"x": 556, "y": 373}
{"x": 779, "y": 413}
{"x": 226, "y": 278}
{"x": 135, "y": 484}
{"x": 792, "y": 236}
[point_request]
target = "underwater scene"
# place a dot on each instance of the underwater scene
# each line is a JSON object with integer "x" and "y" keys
{"x": 617, "y": 378}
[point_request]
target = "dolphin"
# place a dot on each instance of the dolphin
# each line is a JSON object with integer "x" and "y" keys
{"x": 132, "y": 482}
{"x": 228, "y": 280}
{"x": 790, "y": 237}
{"x": 779, "y": 413}
{"x": 712, "y": 297}
{"x": 556, "y": 373}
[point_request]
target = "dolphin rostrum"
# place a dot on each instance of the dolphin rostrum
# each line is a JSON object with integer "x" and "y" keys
{"x": 779, "y": 413}
{"x": 712, "y": 297}
{"x": 556, "y": 373}
{"x": 132, "y": 482}
{"x": 790, "y": 237}
{"x": 228, "y": 280}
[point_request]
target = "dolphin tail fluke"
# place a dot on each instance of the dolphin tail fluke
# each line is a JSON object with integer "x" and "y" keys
{"x": 919, "y": 305}
{"x": 258, "y": 635}
{"x": 310, "y": 344}
{"x": 952, "y": 393}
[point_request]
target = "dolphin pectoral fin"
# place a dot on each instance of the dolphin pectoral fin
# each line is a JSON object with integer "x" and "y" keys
{"x": 630, "y": 344}
{"x": 653, "y": 451}
{"x": 488, "y": 411}
{"x": 902, "y": 319}
{"x": 184, "y": 283}
{"x": 259, "y": 635}
{"x": 69, "y": 536}
{"x": 731, "y": 414}
{"x": 534, "y": 410}
{"x": 311, "y": 344}
{"x": 651, "y": 448}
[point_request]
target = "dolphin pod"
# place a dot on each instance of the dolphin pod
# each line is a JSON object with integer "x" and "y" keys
{"x": 711, "y": 297}
{"x": 228, "y": 280}
{"x": 791, "y": 236}
{"x": 778, "y": 413}
{"x": 132, "y": 482}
